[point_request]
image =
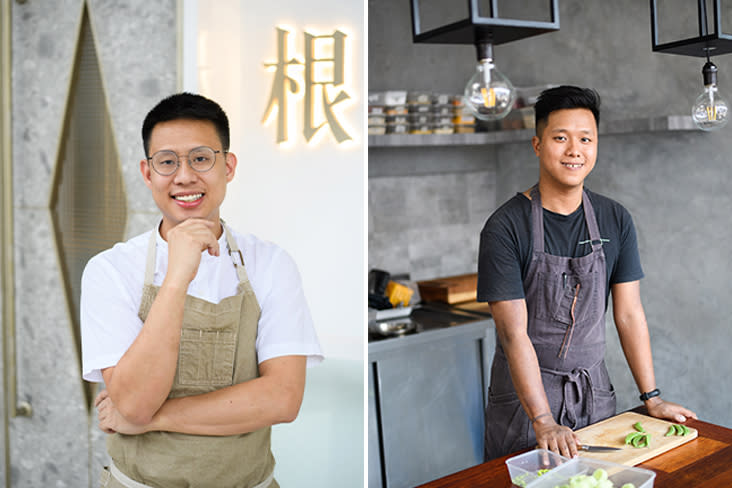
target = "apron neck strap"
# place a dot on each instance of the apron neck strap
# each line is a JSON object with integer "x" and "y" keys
{"x": 591, "y": 220}
{"x": 537, "y": 220}
{"x": 235, "y": 254}
{"x": 150, "y": 263}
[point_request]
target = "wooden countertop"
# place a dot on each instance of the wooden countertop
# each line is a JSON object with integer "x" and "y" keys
{"x": 705, "y": 461}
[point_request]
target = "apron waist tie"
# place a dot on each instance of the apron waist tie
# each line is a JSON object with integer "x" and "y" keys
{"x": 130, "y": 483}
{"x": 574, "y": 380}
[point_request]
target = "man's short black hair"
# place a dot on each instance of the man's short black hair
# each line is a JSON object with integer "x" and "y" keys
{"x": 562, "y": 97}
{"x": 186, "y": 106}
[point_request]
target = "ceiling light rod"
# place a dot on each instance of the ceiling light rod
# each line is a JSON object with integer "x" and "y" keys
{"x": 702, "y": 9}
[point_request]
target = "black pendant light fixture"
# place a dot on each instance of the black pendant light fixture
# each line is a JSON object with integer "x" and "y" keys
{"x": 488, "y": 94}
{"x": 710, "y": 110}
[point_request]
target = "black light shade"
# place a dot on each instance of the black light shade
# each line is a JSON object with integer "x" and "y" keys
{"x": 709, "y": 42}
{"x": 478, "y": 28}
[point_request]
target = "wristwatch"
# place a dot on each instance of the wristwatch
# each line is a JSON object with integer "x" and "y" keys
{"x": 650, "y": 394}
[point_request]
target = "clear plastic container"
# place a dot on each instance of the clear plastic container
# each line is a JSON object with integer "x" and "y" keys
{"x": 526, "y": 468}
{"x": 619, "y": 474}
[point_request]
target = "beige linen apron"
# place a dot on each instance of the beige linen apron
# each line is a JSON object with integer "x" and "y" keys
{"x": 217, "y": 349}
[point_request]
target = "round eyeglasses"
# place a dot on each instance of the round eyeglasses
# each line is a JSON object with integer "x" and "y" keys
{"x": 200, "y": 159}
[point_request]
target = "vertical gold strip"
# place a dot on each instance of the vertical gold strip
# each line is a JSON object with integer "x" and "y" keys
{"x": 6, "y": 232}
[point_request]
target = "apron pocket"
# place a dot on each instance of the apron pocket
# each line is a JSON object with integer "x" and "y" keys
{"x": 555, "y": 299}
{"x": 206, "y": 357}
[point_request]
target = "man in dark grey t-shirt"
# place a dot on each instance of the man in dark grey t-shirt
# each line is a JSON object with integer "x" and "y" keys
{"x": 549, "y": 259}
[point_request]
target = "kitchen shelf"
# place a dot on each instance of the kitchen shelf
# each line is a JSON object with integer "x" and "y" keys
{"x": 613, "y": 127}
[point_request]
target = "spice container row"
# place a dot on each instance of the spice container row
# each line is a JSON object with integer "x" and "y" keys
{"x": 404, "y": 112}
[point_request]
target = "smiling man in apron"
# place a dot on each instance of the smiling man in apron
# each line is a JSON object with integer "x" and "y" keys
{"x": 548, "y": 260}
{"x": 201, "y": 334}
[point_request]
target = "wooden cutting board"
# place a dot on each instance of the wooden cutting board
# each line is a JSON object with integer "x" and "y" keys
{"x": 451, "y": 289}
{"x": 611, "y": 432}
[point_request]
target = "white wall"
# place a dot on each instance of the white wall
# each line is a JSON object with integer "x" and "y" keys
{"x": 308, "y": 198}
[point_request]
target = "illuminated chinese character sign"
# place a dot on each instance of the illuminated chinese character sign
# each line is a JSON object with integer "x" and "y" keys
{"x": 319, "y": 78}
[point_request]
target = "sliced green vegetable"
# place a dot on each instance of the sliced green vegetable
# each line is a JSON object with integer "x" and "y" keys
{"x": 598, "y": 479}
{"x": 677, "y": 429}
{"x": 600, "y": 474}
{"x": 520, "y": 480}
{"x": 639, "y": 438}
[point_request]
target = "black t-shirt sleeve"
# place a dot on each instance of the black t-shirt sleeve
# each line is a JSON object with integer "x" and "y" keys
{"x": 627, "y": 266}
{"x": 499, "y": 258}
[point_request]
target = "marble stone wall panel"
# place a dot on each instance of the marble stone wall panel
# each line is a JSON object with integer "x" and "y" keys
{"x": 138, "y": 52}
{"x": 140, "y": 222}
{"x": 44, "y": 45}
{"x": 133, "y": 38}
{"x": 3, "y": 467}
{"x": 98, "y": 446}
{"x": 53, "y": 442}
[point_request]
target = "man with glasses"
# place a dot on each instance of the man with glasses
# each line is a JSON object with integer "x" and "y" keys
{"x": 201, "y": 334}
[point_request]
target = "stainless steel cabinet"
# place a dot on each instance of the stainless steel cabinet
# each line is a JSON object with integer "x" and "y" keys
{"x": 426, "y": 400}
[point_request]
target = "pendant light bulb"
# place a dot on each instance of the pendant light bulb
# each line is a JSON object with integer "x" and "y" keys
{"x": 488, "y": 94}
{"x": 710, "y": 111}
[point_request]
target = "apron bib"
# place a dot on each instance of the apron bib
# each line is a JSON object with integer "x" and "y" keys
{"x": 217, "y": 349}
{"x": 565, "y": 300}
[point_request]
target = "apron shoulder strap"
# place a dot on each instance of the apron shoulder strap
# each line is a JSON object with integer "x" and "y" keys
{"x": 151, "y": 255}
{"x": 591, "y": 220}
{"x": 537, "y": 220}
{"x": 235, "y": 254}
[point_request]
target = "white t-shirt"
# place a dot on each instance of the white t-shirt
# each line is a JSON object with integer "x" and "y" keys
{"x": 111, "y": 291}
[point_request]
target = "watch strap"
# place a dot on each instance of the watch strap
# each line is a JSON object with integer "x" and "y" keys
{"x": 650, "y": 394}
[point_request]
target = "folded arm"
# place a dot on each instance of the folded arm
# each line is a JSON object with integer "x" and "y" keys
{"x": 274, "y": 397}
{"x": 141, "y": 381}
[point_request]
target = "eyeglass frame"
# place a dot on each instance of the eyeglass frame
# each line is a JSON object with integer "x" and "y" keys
{"x": 188, "y": 160}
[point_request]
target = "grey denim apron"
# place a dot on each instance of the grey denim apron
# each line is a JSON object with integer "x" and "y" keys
{"x": 217, "y": 349}
{"x": 565, "y": 300}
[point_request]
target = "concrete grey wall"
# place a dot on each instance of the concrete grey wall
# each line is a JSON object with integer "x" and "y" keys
{"x": 136, "y": 44}
{"x": 674, "y": 184}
